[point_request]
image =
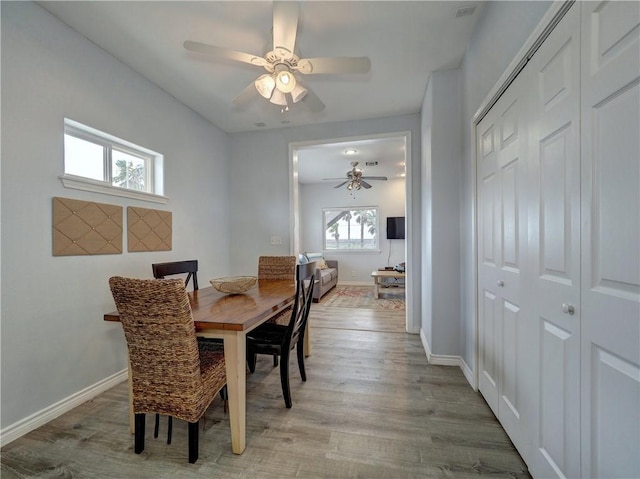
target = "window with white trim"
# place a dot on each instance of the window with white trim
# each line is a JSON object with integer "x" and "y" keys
{"x": 350, "y": 229}
{"x": 110, "y": 164}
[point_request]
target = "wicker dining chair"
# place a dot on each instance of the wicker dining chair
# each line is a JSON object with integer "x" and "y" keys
{"x": 190, "y": 268}
{"x": 279, "y": 340}
{"x": 169, "y": 374}
{"x": 277, "y": 267}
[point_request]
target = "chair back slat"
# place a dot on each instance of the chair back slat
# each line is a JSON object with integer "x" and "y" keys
{"x": 161, "y": 270}
{"x": 304, "y": 294}
{"x": 277, "y": 267}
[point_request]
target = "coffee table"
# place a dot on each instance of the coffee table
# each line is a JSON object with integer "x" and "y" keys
{"x": 380, "y": 275}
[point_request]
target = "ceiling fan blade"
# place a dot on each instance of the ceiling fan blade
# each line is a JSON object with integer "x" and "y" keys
{"x": 246, "y": 95}
{"x": 224, "y": 53}
{"x": 365, "y": 184}
{"x": 341, "y": 184}
{"x": 312, "y": 101}
{"x": 383, "y": 178}
{"x": 314, "y": 66}
{"x": 285, "y": 26}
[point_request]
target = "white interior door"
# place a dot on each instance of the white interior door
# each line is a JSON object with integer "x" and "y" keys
{"x": 554, "y": 227}
{"x": 504, "y": 354}
{"x": 610, "y": 240}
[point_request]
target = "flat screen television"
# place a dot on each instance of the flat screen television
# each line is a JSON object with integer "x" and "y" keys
{"x": 395, "y": 227}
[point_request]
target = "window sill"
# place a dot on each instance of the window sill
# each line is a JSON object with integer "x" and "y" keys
{"x": 84, "y": 184}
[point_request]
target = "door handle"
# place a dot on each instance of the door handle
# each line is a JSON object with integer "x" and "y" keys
{"x": 568, "y": 309}
{"x": 500, "y": 283}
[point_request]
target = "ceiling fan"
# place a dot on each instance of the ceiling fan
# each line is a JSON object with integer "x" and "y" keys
{"x": 280, "y": 85}
{"x": 355, "y": 179}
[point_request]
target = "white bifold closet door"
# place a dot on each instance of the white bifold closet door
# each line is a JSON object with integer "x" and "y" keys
{"x": 504, "y": 340}
{"x": 558, "y": 182}
{"x": 554, "y": 248}
{"x": 610, "y": 313}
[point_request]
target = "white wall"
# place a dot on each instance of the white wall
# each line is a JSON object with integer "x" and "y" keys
{"x": 388, "y": 196}
{"x": 54, "y": 341}
{"x": 259, "y": 184}
{"x": 499, "y": 35}
{"x": 441, "y": 130}
{"x": 425, "y": 197}
{"x": 259, "y": 189}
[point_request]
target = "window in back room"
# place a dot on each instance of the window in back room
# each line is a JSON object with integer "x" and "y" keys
{"x": 350, "y": 229}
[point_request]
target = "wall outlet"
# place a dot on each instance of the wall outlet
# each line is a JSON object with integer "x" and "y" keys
{"x": 353, "y": 273}
{"x": 276, "y": 240}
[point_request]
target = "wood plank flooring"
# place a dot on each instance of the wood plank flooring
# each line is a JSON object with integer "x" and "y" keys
{"x": 372, "y": 407}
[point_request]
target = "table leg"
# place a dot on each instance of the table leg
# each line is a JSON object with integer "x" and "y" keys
{"x": 376, "y": 292}
{"x": 235, "y": 357}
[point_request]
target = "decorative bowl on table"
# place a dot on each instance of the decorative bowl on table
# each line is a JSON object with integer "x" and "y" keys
{"x": 234, "y": 284}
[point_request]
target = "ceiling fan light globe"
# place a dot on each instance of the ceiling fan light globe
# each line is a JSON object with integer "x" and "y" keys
{"x": 285, "y": 81}
{"x": 298, "y": 93}
{"x": 265, "y": 85}
{"x": 278, "y": 98}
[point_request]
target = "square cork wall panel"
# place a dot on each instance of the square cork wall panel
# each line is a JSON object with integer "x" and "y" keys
{"x": 148, "y": 230}
{"x": 86, "y": 228}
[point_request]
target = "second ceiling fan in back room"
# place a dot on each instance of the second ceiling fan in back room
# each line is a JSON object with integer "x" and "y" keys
{"x": 355, "y": 179}
{"x": 280, "y": 85}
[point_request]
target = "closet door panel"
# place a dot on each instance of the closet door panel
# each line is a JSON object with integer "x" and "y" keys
{"x": 504, "y": 344}
{"x": 489, "y": 349}
{"x": 554, "y": 222}
{"x": 489, "y": 247}
{"x": 611, "y": 239}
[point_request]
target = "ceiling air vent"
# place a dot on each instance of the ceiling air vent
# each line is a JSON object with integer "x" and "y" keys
{"x": 465, "y": 11}
{"x": 371, "y": 163}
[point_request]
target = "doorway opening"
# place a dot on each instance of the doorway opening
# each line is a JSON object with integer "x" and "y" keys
{"x": 319, "y": 178}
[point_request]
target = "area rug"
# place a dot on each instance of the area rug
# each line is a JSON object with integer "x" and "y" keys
{"x": 362, "y": 297}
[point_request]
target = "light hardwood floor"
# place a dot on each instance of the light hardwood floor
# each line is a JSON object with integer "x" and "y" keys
{"x": 372, "y": 407}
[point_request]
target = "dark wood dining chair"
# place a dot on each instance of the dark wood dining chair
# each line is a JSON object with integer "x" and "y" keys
{"x": 190, "y": 267}
{"x": 277, "y": 268}
{"x": 170, "y": 375}
{"x": 279, "y": 340}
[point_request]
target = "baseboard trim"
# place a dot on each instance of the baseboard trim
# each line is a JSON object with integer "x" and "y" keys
{"x": 446, "y": 360}
{"x": 468, "y": 373}
{"x": 37, "y": 419}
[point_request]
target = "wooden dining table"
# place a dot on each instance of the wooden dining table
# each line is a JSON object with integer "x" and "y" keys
{"x": 231, "y": 317}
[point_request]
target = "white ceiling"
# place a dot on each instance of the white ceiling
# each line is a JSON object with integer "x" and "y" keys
{"x": 405, "y": 41}
{"x": 318, "y": 162}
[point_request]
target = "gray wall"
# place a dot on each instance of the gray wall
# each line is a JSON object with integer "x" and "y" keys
{"x": 54, "y": 341}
